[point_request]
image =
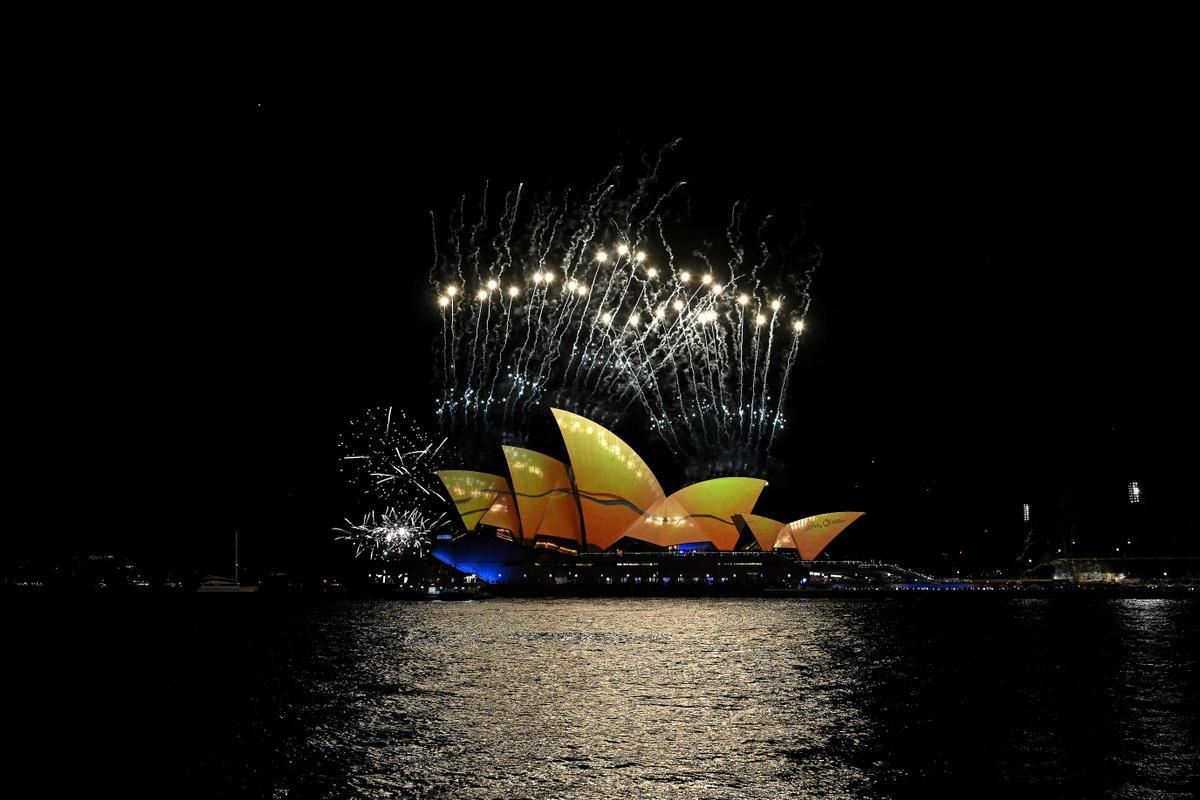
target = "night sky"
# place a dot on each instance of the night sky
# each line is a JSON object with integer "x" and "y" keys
{"x": 996, "y": 320}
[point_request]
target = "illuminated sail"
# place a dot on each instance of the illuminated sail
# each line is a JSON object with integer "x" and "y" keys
{"x": 615, "y": 486}
{"x": 702, "y": 512}
{"x": 811, "y": 535}
{"x": 784, "y": 540}
{"x": 617, "y": 496}
{"x": 476, "y": 496}
{"x": 544, "y": 497}
{"x": 666, "y": 522}
{"x": 503, "y": 513}
{"x": 765, "y": 530}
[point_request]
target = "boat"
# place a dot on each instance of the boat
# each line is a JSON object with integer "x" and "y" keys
{"x": 217, "y": 584}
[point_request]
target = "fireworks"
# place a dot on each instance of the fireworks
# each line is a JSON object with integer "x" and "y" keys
{"x": 582, "y": 303}
{"x": 392, "y": 534}
{"x": 390, "y": 460}
{"x": 386, "y": 457}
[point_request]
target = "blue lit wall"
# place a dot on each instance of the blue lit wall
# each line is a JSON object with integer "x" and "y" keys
{"x": 492, "y": 559}
{"x": 693, "y": 547}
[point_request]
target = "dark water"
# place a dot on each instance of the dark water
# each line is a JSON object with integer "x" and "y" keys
{"x": 622, "y": 698}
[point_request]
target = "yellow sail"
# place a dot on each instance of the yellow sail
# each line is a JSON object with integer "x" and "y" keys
{"x": 545, "y": 500}
{"x": 479, "y": 497}
{"x": 811, "y": 535}
{"x": 702, "y": 512}
{"x": 765, "y": 530}
{"x": 615, "y": 486}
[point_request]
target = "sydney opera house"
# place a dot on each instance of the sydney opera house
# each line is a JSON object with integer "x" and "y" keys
{"x": 603, "y": 519}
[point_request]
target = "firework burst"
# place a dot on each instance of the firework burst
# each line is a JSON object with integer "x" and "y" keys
{"x": 581, "y": 302}
{"x": 392, "y": 534}
{"x": 389, "y": 460}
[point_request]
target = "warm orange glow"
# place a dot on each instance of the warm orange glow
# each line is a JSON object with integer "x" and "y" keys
{"x": 811, "y": 535}
{"x": 544, "y": 496}
{"x": 765, "y": 530}
{"x": 784, "y": 540}
{"x": 702, "y": 512}
{"x": 473, "y": 493}
{"x": 618, "y": 496}
{"x": 615, "y": 484}
{"x": 502, "y": 513}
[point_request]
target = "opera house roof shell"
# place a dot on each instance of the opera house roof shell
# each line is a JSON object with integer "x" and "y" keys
{"x": 608, "y": 494}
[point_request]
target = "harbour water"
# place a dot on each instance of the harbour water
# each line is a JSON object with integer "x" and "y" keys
{"x": 610, "y": 698}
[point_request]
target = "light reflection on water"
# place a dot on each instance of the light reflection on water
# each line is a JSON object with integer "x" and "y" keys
{"x": 687, "y": 698}
{"x": 745, "y": 698}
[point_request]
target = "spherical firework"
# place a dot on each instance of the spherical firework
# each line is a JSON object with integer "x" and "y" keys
{"x": 392, "y": 534}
